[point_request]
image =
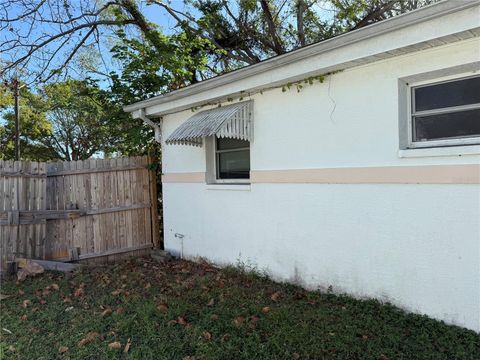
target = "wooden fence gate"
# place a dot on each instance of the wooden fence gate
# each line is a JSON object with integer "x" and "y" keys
{"x": 77, "y": 210}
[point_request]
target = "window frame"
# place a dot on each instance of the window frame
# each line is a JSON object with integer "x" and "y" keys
{"x": 411, "y": 114}
{"x": 215, "y": 178}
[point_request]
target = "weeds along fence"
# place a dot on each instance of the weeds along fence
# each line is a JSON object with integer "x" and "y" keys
{"x": 77, "y": 210}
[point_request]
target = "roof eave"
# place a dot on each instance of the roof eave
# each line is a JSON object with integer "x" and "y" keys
{"x": 423, "y": 14}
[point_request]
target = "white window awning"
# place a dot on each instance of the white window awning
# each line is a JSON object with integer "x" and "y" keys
{"x": 231, "y": 121}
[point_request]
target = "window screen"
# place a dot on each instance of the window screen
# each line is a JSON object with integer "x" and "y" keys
{"x": 232, "y": 158}
{"x": 447, "y": 110}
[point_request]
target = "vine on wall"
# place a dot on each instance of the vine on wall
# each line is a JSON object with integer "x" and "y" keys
{"x": 298, "y": 85}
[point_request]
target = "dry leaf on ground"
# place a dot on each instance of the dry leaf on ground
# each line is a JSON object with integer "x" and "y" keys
{"x": 275, "y": 296}
{"x": 89, "y": 338}
{"x": 163, "y": 308}
{"x": 115, "y": 345}
{"x": 127, "y": 346}
{"x": 239, "y": 320}
{"x": 55, "y": 286}
{"x": 106, "y": 312}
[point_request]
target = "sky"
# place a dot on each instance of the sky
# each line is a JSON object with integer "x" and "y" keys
{"x": 154, "y": 13}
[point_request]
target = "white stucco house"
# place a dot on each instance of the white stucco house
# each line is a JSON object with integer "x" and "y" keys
{"x": 352, "y": 163}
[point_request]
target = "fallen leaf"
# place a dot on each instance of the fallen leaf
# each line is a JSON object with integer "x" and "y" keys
{"x": 89, "y": 338}
{"x": 189, "y": 358}
{"x": 182, "y": 321}
{"x": 120, "y": 310}
{"x": 67, "y": 300}
{"x": 78, "y": 292}
{"x": 43, "y": 301}
{"x": 115, "y": 345}
{"x": 211, "y": 302}
{"x": 21, "y": 292}
{"x": 172, "y": 322}
{"x": 239, "y": 320}
{"x": 163, "y": 308}
{"x": 3, "y": 296}
{"x": 127, "y": 346}
{"x": 24, "y": 318}
{"x": 206, "y": 335}
{"x": 275, "y": 296}
{"x": 253, "y": 322}
{"x": 55, "y": 286}
{"x": 106, "y": 312}
{"x": 296, "y": 355}
{"x": 62, "y": 349}
{"x": 226, "y": 337}
{"x": 266, "y": 309}
{"x": 70, "y": 308}
{"x": 148, "y": 286}
{"x": 117, "y": 292}
{"x": 214, "y": 317}
{"x": 25, "y": 303}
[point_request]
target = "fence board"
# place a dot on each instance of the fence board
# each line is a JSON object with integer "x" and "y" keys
{"x": 100, "y": 207}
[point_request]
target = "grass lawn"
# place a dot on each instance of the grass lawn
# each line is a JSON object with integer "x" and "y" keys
{"x": 184, "y": 310}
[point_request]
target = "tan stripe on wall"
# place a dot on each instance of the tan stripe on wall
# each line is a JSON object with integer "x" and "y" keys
{"x": 191, "y": 177}
{"x": 428, "y": 174}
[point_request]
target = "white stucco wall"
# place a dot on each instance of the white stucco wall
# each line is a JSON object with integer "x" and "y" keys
{"x": 415, "y": 245}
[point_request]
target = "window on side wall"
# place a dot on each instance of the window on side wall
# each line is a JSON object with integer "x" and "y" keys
{"x": 232, "y": 159}
{"x": 445, "y": 113}
{"x": 228, "y": 161}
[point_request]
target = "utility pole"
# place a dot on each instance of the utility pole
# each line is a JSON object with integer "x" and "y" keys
{"x": 16, "y": 95}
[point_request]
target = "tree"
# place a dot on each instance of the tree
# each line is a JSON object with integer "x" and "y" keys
{"x": 79, "y": 114}
{"x": 45, "y": 35}
{"x": 72, "y": 120}
{"x": 34, "y": 122}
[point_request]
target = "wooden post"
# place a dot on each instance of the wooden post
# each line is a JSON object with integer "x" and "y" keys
{"x": 16, "y": 95}
{"x": 154, "y": 203}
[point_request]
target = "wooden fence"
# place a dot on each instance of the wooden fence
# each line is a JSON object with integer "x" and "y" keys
{"x": 77, "y": 210}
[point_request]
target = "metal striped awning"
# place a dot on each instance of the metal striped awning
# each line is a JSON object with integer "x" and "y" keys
{"x": 231, "y": 121}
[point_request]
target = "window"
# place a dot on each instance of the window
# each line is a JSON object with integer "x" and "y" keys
{"x": 445, "y": 113}
{"x": 232, "y": 160}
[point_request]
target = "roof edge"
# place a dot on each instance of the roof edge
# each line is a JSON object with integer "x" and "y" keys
{"x": 429, "y": 12}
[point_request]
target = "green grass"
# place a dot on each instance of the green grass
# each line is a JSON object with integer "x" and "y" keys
{"x": 211, "y": 314}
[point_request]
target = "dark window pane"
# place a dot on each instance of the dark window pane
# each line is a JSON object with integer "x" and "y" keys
{"x": 226, "y": 144}
{"x": 444, "y": 126}
{"x": 234, "y": 165}
{"x": 452, "y": 93}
